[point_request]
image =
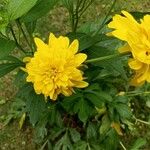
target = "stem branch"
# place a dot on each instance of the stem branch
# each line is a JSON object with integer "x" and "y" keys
{"x": 14, "y": 36}
{"x": 107, "y": 57}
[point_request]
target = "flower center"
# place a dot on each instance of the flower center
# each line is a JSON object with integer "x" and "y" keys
{"x": 147, "y": 53}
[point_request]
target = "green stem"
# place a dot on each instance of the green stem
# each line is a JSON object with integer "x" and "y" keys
{"x": 107, "y": 15}
{"x": 16, "y": 41}
{"x": 136, "y": 94}
{"x": 87, "y": 6}
{"x": 25, "y": 37}
{"x": 141, "y": 121}
{"x": 107, "y": 57}
{"x": 31, "y": 39}
{"x": 124, "y": 148}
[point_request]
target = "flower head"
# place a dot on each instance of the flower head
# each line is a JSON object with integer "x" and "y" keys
{"x": 137, "y": 38}
{"x": 54, "y": 69}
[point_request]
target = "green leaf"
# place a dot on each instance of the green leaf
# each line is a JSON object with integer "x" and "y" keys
{"x": 111, "y": 140}
{"x": 30, "y": 26}
{"x": 95, "y": 100}
{"x": 103, "y": 96}
{"x": 81, "y": 145}
{"x": 123, "y": 110}
{"x": 105, "y": 126}
{"x": 139, "y": 143}
{"x": 85, "y": 40}
{"x": 75, "y": 135}
{"x": 122, "y": 99}
{"x": 6, "y": 46}
{"x": 64, "y": 143}
{"x": 83, "y": 109}
{"x": 69, "y": 102}
{"x": 7, "y": 67}
{"x": 35, "y": 106}
{"x": 91, "y": 131}
{"x": 55, "y": 116}
{"x": 40, "y": 9}
{"x": 113, "y": 66}
{"x": 18, "y": 8}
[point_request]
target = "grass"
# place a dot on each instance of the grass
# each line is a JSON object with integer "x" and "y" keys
{"x": 56, "y": 21}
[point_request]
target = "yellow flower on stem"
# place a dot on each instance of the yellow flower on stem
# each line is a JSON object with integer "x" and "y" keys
{"x": 55, "y": 67}
{"x": 137, "y": 38}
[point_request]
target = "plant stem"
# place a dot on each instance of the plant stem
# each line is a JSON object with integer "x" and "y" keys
{"x": 141, "y": 121}
{"x": 25, "y": 37}
{"x": 31, "y": 39}
{"x": 136, "y": 94}
{"x": 14, "y": 36}
{"x": 107, "y": 15}
{"x": 122, "y": 145}
{"x": 107, "y": 57}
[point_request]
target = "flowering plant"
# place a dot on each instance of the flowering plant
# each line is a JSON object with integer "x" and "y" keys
{"x": 77, "y": 89}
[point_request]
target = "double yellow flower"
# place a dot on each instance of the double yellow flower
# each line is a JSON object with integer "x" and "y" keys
{"x": 137, "y": 38}
{"x": 55, "y": 67}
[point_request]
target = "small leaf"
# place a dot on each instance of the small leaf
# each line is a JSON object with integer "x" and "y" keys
{"x": 105, "y": 126}
{"x": 91, "y": 131}
{"x": 7, "y": 67}
{"x": 75, "y": 135}
{"x": 64, "y": 143}
{"x": 123, "y": 110}
{"x": 81, "y": 145}
{"x": 21, "y": 122}
{"x": 83, "y": 109}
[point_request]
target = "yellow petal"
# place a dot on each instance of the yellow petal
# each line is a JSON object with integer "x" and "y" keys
{"x": 135, "y": 82}
{"x": 52, "y": 39}
{"x": 80, "y": 58}
{"x": 64, "y": 42}
{"x": 74, "y": 46}
{"x": 125, "y": 48}
{"x": 81, "y": 84}
{"x": 135, "y": 64}
{"x": 41, "y": 46}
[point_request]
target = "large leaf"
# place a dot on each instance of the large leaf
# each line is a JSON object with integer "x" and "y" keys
{"x": 40, "y": 9}
{"x": 17, "y": 8}
{"x": 83, "y": 109}
{"x": 64, "y": 143}
{"x": 85, "y": 40}
{"x": 6, "y": 46}
{"x": 35, "y": 106}
{"x": 7, "y": 67}
{"x": 75, "y": 135}
{"x": 123, "y": 110}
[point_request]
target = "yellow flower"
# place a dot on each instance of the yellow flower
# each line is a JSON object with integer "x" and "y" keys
{"x": 137, "y": 38}
{"x": 54, "y": 69}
